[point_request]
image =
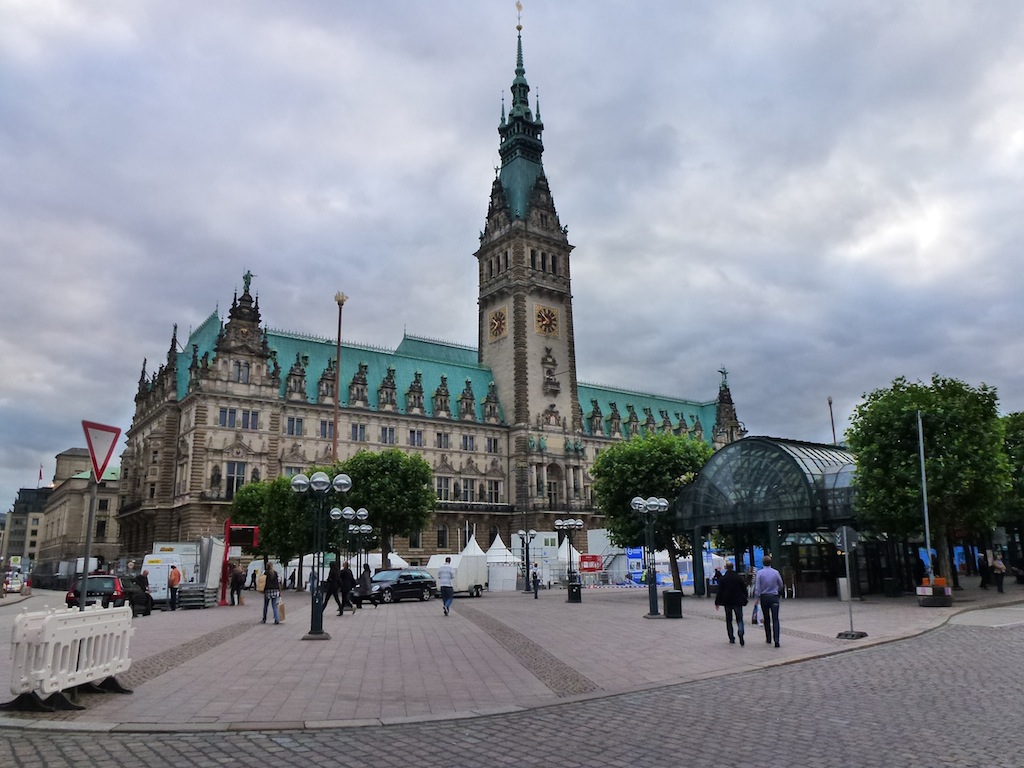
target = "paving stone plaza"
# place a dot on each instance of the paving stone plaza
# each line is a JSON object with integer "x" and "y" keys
{"x": 508, "y": 680}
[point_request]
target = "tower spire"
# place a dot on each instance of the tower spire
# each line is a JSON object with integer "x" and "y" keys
{"x": 521, "y": 146}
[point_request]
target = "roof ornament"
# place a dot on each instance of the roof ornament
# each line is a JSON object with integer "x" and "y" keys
{"x": 247, "y": 279}
{"x": 519, "y": 16}
{"x": 725, "y": 375}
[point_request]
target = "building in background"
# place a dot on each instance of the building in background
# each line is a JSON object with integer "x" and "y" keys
{"x": 510, "y": 432}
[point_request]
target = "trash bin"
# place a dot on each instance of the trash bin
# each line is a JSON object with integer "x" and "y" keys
{"x": 575, "y": 593}
{"x": 843, "y": 588}
{"x": 672, "y": 603}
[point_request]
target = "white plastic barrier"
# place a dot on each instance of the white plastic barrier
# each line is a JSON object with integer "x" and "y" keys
{"x": 56, "y": 650}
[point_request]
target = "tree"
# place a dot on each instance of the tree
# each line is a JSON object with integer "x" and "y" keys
{"x": 658, "y": 464}
{"x": 1013, "y": 447}
{"x": 965, "y": 467}
{"x": 285, "y": 525}
{"x": 397, "y": 490}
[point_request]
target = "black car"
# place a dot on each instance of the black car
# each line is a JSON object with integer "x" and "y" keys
{"x": 394, "y": 584}
{"x": 113, "y": 591}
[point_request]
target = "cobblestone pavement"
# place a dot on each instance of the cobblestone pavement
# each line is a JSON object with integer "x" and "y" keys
{"x": 950, "y": 697}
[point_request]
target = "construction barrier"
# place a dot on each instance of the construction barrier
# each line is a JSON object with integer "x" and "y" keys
{"x": 67, "y": 650}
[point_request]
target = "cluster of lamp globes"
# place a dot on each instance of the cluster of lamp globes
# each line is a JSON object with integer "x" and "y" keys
{"x": 569, "y": 524}
{"x": 650, "y": 506}
{"x": 320, "y": 482}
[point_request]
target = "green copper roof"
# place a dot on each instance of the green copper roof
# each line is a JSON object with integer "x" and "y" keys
{"x": 676, "y": 409}
{"x": 521, "y": 146}
{"x": 431, "y": 359}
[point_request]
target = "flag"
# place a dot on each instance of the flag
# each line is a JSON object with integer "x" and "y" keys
{"x": 40, "y": 473}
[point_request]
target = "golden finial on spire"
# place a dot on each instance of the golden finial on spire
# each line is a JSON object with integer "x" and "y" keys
{"x": 519, "y": 16}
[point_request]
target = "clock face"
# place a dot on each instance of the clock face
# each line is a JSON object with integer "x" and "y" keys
{"x": 497, "y": 325}
{"x": 546, "y": 320}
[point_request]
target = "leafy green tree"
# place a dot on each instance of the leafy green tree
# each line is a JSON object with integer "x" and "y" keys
{"x": 284, "y": 522}
{"x": 396, "y": 488}
{"x": 659, "y": 464}
{"x": 965, "y": 467}
{"x": 1013, "y": 447}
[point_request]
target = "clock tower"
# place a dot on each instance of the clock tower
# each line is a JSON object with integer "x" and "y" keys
{"x": 525, "y": 300}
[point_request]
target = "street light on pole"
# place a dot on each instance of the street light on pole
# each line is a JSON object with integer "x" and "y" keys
{"x": 572, "y": 579}
{"x": 341, "y": 298}
{"x": 319, "y": 484}
{"x": 649, "y": 509}
{"x": 526, "y": 537}
{"x": 358, "y": 531}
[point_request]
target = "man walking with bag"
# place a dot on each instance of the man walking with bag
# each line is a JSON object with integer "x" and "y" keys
{"x": 732, "y": 595}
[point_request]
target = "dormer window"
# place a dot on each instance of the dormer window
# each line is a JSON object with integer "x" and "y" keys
{"x": 240, "y": 372}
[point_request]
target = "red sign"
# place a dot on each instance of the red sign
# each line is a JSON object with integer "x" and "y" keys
{"x": 590, "y": 562}
{"x": 101, "y": 440}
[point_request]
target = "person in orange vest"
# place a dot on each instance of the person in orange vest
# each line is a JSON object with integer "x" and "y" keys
{"x": 173, "y": 580}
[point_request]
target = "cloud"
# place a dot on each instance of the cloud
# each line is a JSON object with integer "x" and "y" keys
{"x": 817, "y": 198}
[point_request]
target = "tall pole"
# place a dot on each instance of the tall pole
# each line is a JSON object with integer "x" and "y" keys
{"x": 83, "y": 593}
{"x": 832, "y": 419}
{"x": 924, "y": 495}
{"x": 340, "y": 298}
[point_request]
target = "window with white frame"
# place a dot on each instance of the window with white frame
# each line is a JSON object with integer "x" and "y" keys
{"x": 492, "y": 445}
{"x": 387, "y": 435}
{"x": 443, "y": 487}
{"x": 326, "y": 428}
{"x": 250, "y": 420}
{"x": 358, "y": 433}
{"x": 468, "y": 487}
{"x": 468, "y": 443}
{"x": 416, "y": 438}
{"x": 442, "y": 440}
{"x": 294, "y": 425}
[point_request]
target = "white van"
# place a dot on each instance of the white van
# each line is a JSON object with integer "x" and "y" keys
{"x": 159, "y": 567}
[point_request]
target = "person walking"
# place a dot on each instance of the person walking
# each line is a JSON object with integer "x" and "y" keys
{"x": 237, "y": 584}
{"x": 173, "y": 580}
{"x": 768, "y": 588}
{"x": 535, "y": 578}
{"x": 984, "y": 572}
{"x": 732, "y": 595}
{"x": 348, "y": 583}
{"x": 332, "y": 588}
{"x": 252, "y": 581}
{"x": 364, "y": 587}
{"x": 446, "y": 581}
{"x": 998, "y": 572}
{"x": 271, "y": 593}
{"x": 143, "y": 581}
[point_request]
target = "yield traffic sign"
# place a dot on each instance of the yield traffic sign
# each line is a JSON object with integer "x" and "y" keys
{"x": 101, "y": 440}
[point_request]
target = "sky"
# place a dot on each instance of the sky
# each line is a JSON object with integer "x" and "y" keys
{"x": 820, "y": 197}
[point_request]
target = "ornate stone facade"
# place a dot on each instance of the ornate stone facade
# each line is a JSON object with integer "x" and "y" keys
{"x": 501, "y": 425}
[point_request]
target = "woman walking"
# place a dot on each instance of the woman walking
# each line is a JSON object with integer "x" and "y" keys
{"x": 271, "y": 593}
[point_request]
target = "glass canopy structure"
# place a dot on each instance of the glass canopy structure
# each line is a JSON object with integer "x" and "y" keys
{"x": 767, "y": 480}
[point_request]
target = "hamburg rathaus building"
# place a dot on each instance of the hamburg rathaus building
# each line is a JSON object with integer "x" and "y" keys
{"x": 509, "y": 431}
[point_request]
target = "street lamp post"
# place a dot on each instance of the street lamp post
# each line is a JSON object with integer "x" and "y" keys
{"x": 649, "y": 510}
{"x": 320, "y": 484}
{"x": 572, "y": 578}
{"x": 357, "y": 531}
{"x": 526, "y": 537}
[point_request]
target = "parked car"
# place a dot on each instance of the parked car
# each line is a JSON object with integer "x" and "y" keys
{"x": 13, "y": 582}
{"x": 113, "y": 591}
{"x": 394, "y": 584}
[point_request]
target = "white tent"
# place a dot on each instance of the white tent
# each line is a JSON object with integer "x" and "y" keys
{"x": 499, "y": 553}
{"x": 502, "y": 567}
{"x": 564, "y": 552}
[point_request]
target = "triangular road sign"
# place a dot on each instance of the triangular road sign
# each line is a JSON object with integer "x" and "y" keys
{"x": 101, "y": 440}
